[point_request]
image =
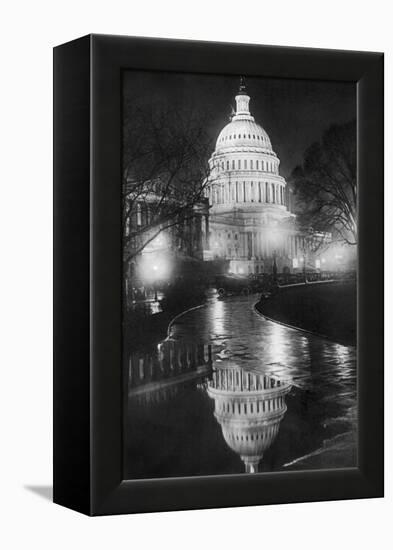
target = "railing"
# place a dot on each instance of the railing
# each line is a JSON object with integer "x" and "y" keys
{"x": 172, "y": 363}
{"x": 312, "y": 276}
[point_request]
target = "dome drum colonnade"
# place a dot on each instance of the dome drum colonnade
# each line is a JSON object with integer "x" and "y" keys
{"x": 249, "y": 218}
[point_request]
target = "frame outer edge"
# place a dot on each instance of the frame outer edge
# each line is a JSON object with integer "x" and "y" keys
{"x": 111, "y": 495}
{"x": 71, "y": 316}
{"x": 371, "y": 274}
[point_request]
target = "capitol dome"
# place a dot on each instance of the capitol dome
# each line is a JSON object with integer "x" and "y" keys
{"x": 243, "y": 131}
{"x": 247, "y": 195}
{"x": 249, "y": 408}
{"x": 244, "y": 152}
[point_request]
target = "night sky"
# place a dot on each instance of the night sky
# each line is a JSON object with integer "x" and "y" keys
{"x": 295, "y": 113}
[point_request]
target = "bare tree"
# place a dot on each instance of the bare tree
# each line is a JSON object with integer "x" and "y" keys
{"x": 325, "y": 185}
{"x": 166, "y": 153}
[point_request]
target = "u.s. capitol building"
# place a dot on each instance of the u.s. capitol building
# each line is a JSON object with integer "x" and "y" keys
{"x": 251, "y": 225}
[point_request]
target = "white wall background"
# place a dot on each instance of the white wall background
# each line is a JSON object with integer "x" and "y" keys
{"x": 29, "y": 30}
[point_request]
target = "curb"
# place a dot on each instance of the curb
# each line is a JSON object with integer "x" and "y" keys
{"x": 300, "y": 329}
{"x": 173, "y": 320}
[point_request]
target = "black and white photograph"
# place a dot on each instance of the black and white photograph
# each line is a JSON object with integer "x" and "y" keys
{"x": 239, "y": 290}
{"x": 196, "y": 262}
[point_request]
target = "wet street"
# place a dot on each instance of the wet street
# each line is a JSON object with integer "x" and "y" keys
{"x": 231, "y": 392}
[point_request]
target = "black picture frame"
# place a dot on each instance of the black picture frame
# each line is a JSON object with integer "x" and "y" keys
{"x": 88, "y": 379}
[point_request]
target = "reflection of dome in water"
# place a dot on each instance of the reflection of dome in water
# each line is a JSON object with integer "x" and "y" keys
{"x": 249, "y": 408}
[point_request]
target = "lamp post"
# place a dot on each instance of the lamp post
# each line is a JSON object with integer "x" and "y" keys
{"x": 275, "y": 240}
{"x": 156, "y": 263}
{"x": 274, "y": 266}
{"x": 155, "y": 269}
{"x": 304, "y": 266}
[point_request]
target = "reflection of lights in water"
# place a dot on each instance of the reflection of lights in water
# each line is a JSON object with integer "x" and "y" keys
{"x": 218, "y": 310}
{"x": 343, "y": 355}
{"x": 277, "y": 343}
{"x": 249, "y": 408}
{"x": 341, "y": 351}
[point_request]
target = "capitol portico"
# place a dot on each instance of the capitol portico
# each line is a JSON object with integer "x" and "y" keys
{"x": 251, "y": 225}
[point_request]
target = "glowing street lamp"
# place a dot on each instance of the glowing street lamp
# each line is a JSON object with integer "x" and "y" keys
{"x": 155, "y": 267}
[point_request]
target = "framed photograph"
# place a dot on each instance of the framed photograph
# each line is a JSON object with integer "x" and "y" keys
{"x": 218, "y": 275}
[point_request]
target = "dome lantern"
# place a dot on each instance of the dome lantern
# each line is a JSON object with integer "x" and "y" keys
{"x": 242, "y": 102}
{"x": 242, "y": 86}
